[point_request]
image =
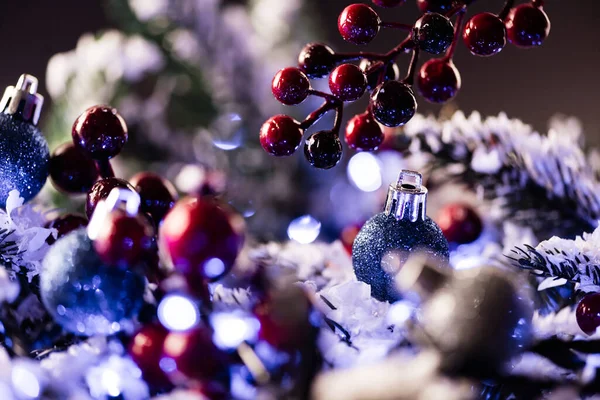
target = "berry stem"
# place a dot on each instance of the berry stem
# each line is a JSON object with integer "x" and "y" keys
{"x": 404, "y": 47}
{"x": 409, "y": 79}
{"x": 506, "y": 9}
{"x": 457, "y": 31}
{"x": 105, "y": 169}
{"x": 339, "y": 114}
{"x": 331, "y": 103}
{"x": 396, "y": 25}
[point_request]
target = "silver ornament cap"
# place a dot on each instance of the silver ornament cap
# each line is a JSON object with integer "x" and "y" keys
{"x": 23, "y": 100}
{"x": 407, "y": 199}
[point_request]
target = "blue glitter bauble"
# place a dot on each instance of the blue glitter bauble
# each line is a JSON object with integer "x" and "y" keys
{"x": 383, "y": 245}
{"x": 84, "y": 295}
{"x": 24, "y": 158}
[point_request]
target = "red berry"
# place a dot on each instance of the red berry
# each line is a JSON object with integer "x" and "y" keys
{"x": 527, "y": 26}
{"x": 290, "y": 86}
{"x": 363, "y": 133}
{"x": 157, "y": 194}
{"x": 588, "y": 313}
{"x": 392, "y": 73}
{"x": 316, "y": 60}
{"x": 438, "y": 6}
{"x": 348, "y": 235}
{"x": 434, "y": 33}
{"x": 323, "y": 149}
{"x": 460, "y": 223}
{"x": 202, "y": 237}
{"x": 347, "y": 82}
{"x": 72, "y": 170}
{"x": 393, "y": 103}
{"x": 388, "y": 3}
{"x": 146, "y": 350}
{"x": 281, "y": 135}
{"x": 100, "y": 131}
{"x": 358, "y": 24}
{"x": 485, "y": 34}
{"x": 101, "y": 190}
{"x": 65, "y": 224}
{"x": 438, "y": 80}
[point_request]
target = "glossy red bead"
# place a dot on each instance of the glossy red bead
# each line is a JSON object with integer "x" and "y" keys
{"x": 459, "y": 223}
{"x": 438, "y": 80}
{"x": 358, "y": 24}
{"x": 484, "y": 34}
{"x": 202, "y": 237}
{"x": 290, "y": 86}
{"x": 347, "y": 82}
{"x": 101, "y": 190}
{"x": 281, "y": 135}
{"x": 100, "y": 131}
{"x": 527, "y": 26}
{"x": 157, "y": 194}
{"x": 65, "y": 224}
{"x": 438, "y": 6}
{"x": 363, "y": 133}
{"x": 588, "y": 313}
{"x": 316, "y": 60}
{"x": 71, "y": 169}
{"x": 146, "y": 350}
{"x": 388, "y": 3}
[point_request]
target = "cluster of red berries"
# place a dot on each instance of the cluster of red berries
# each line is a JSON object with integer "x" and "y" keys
{"x": 392, "y": 100}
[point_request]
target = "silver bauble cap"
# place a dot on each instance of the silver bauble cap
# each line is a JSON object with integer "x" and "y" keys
{"x": 407, "y": 198}
{"x": 22, "y": 100}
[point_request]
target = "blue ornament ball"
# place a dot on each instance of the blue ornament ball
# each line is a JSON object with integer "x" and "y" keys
{"x": 383, "y": 245}
{"x": 24, "y": 160}
{"x": 83, "y": 294}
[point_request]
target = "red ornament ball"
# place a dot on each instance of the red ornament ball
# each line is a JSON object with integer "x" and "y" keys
{"x": 363, "y": 133}
{"x": 72, "y": 170}
{"x": 460, "y": 223}
{"x": 146, "y": 350}
{"x": 202, "y": 237}
{"x": 101, "y": 190}
{"x": 438, "y": 80}
{"x": 358, "y": 24}
{"x": 65, "y": 224}
{"x": 485, "y": 34}
{"x": 588, "y": 313}
{"x": 157, "y": 194}
{"x": 101, "y": 132}
{"x": 281, "y": 135}
{"x": 290, "y": 86}
{"x": 527, "y": 26}
{"x": 348, "y": 82}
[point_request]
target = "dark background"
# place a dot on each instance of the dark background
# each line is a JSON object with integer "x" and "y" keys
{"x": 563, "y": 76}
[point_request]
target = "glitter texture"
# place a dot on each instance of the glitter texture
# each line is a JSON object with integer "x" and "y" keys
{"x": 24, "y": 161}
{"x": 383, "y": 239}
{"x": 84, "y": 295}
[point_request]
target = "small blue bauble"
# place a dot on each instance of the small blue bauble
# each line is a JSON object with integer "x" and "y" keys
{"x": 83, "y": 294}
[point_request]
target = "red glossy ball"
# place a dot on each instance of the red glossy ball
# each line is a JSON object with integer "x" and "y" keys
{"x": 281, "y": 135}
{"x": 347, "y": 82}
{"x": 65, "y": 224}
{"x": 290, "y": 86}
{"x": 588, "y": 313}
{"x": 438, "y": 6}
{"x": 363, "y": 133}
{"x": 202, "y": 237}
{"x": 157, "y": 194}
{"x": 460, "y": 223}
{"x": 388, "y": 3}
{"x": 438, "y": 80}
{"x": 485, "y": 34}
{"x": 101, "y": 190}
{"x": 71, "y": 169}
{"x": 358, "y": 24}
{"x": 101, "y": 132}
{"x": 316, "y": 60}
{"x": 527, "y": 26}
{"x": 146, "y": 350}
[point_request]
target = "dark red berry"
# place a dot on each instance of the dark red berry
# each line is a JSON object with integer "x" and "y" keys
{"x": 316, "y": 60}
{"x": 527, "y": 26}
{"x": 363, "y": 133}
{"x": 393, "y": 103}
{"x": 438, "y": 80}
{"x": 323, "y": 149}
{"x": 438, "y": 6}
{"x": 290, "y": 86}
{"x": 281, "y": 135}
{"x": 392, "y": 73}
{"x": 460, "y": 223}
{"x": 100, "y": 131}
{"x": 348, "y": 235}
{"x": 72, "y": 170}
{"x": 588, "y": 313}
{"x": 485, "y": 34}
{"x": 202, "y": 237}
{"x": 146, "y": 350}
{"x": 434, "y": 33}
{"x": 358, "y": 24}
{"x": 157, "y": 194}
{"x": 101, "y": 190}
{"x": 347, "y": 82}
{"x": 388, "y": 3}
{"x": 123, "y": 239}
{"x": 65, "y": 224}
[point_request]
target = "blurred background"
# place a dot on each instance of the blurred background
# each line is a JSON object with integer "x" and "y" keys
{"x": 192, "y": 79}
